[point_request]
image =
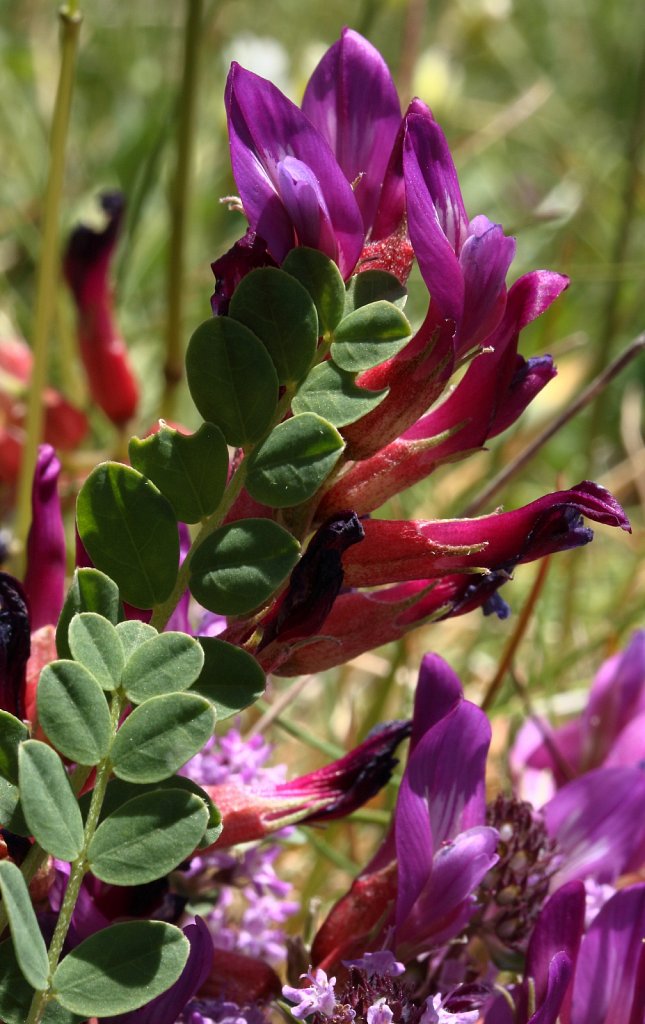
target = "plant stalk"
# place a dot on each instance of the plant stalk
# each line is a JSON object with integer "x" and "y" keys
{"x": 47, "y": 279}
{"x": 179, "y": 203}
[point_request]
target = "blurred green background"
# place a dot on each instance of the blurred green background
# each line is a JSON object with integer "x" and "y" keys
{"x": 544, "y": 106}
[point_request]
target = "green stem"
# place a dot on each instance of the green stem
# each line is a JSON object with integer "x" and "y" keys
{"x": 47, "y": 280}
{"x": 179, "y": 201}
{"x": 162, "y": 612}
{"x": 78, "y": 871}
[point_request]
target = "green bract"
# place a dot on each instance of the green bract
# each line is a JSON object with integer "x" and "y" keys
{"x": 73, "y": 711}
{"x": 322, "y": 279}
{"x": 129, "y": 529}
{"x": 241, "y": 565}
{"x": 190, "y": 470}
{"x": 232, "y": 380}
{"x": 294, "y": 461}
{"x": 120, "y": 968}
{"x": 49, "y": 806}
{"x": 147, "y": 837}
{"x": 281, "y": 314}
{"x": 167, "y": 663}
{"x": 369, "y": 335}
{"x": 332, "y": 393}
{"x": 160, "y": 735}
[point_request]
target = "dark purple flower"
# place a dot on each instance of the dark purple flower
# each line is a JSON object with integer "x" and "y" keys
{"x": 15, "y": 645}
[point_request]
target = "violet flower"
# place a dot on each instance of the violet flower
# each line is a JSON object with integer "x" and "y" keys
{"x": 421, "y": 882}
{"x": 610, "y": 730}
{"x": 463, "y": 263}
{"x": 598, "y": 978}
{"x": 46, "y": 550}
{"x": 292, "y": 189}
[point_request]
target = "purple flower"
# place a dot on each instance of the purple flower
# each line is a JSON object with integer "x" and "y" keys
{"x": 439, "y": 848}
{"x": 463, "y": 263}
{"x": 352, "y": 101}
{"x": 609, "y": 732}
{"x": 46, "y": 560}
{"x": 319, "y": 997}
{"x": 292, "y": 188}
{"x": 596, "y": 978}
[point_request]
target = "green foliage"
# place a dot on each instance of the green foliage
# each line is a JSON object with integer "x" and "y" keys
{"x": 167, "y": 663}
{"x": 90, "y": 591}
{"x": 241, "y": 565}
{"x": 129, "y": 530}
{"x": 12, "y": 732}
{"x": 369, "y": 335}
{"x": 294, "y": 461}
{"x": 232, "y": 380}
{"x": 94, "y": 642}
{"x": 189, "y": 470}
{"x": 73, "y": 711}
{"x": 133, "y": 633}
{"x": 49, "y": 806}
{"x": 28, "y": 943}
{"x": 322, "y": 279}
{"x": 120, "y": 968}
{"x": 282, "y": 315}
{"x": 160, "y": 735}
{"x": 11, "y": 814}
{"x": 231, "y": 677}
{"x": 372, "y": 286}
{"x": 15, "y": 991}
{"x": 119, "y": 792}
{"x": 333, "y": 394}
{"x": 147, "y": 837}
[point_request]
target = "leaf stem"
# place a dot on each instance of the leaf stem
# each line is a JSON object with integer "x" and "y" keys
{"x": 47, "y": 280}
{"x": 78, "y": 871}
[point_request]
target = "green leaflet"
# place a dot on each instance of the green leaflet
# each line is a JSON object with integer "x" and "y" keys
{"x": 130, "y": 531}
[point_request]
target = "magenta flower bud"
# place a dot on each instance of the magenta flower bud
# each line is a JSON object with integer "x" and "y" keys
{"x": 46, "y": 558}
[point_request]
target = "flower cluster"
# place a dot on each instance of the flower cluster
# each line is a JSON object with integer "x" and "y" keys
{"x": 348, "y": 175}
